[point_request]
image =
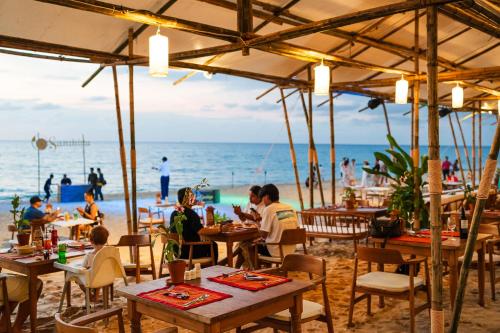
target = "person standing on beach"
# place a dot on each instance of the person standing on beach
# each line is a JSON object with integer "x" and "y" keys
{"x": 100, "y": 183}
{"x": 46, "y": 187}
{"x": 352, "y": 172}
{"x": 445, "y": 166}
{"x": 65, "y": 180}
{"x": 164, "y": 178}
{"x": 92, "y": 180}
{"x": 364, "y": 175}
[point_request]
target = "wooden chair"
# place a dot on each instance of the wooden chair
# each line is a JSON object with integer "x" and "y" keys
{"x": 5, "y": 305}
{"x": 12, "y": 229}
{"x": 320, "y": 223}
{"x": 492, "y": 259}
{"x": 147, "y": 220}
{"x": 311, "y": 311}
{"x": 288, "y": 237}
{"x": 135, "y": 242}
{"x": 385, "y": 284}
{"x": 363, "y": 202}
{"x": 204, "y": 261}
{"x": 78, "y": 325}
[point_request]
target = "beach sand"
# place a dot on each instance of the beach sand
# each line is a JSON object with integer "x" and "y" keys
{"x": 393, "y": 318}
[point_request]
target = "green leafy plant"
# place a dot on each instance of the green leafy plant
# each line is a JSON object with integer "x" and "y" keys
{"x": 400, "y": 169}
{"x": 218, "y": 218}
{"x": 18, "y": 215}
{"x": 349, "y": 193}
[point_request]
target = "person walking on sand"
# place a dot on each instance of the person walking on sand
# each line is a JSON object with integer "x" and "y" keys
{"x": 46, "y": 187}
{"x": 100, "y": 183}
{"x": 445, "y": 167}
{"x": 164, "y": 170}
{"x": 92, "y": 180}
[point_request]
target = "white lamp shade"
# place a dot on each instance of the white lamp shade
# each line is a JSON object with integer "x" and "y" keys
{"x": 321, "y": 80}
{"x": 457, "y": 97}
{"x": 401, "y": 91}
{"x": 158, "y": 55}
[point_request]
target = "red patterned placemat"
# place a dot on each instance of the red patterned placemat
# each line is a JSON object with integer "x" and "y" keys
{"x": 443, "y": 233}
{"x": 415, "y": 239}
{"x": 160, "y": 296}
{"x": 238, "y": 280}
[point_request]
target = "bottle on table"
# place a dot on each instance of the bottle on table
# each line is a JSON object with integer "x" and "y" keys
{"x": 464, "y": 225}
{"x": 61, "y": 254}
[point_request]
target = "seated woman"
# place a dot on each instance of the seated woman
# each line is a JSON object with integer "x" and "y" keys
{"x": 18, "y": 293}
{"x": 191, "y": 227}
{"x": 91, "y": 212}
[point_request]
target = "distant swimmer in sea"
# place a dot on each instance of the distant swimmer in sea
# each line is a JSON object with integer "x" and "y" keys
{"x": 46, "y": 187}
{"x": 164, "y": 177}
{"x": 65, "y": 180}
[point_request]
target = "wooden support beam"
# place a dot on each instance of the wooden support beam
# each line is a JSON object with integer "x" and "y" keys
{"x": 292, "y": 151}
{"x": 466, "y": 149}
{"x": 474, "y": 148}
{"x": 468, "y": 18}
{"x": 437, "y": 313}
{"x": 415, "y": 120}
{"x": 123, "y": 158}
{"x": 124, "y": 44}
{"x": 332, "y": 145}
{"x": 45, "y": 57}
{"x": 457, "y": 152}
{"x": 133, "y": 159}
{"x": 480, "y": 145}
{"x": 245, "y": 21}
{"x": 311, "y": 148}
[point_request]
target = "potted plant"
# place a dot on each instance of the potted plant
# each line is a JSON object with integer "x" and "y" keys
{"x": 405, "y": 178}
{"x": 469, "y": 198}
{"x": 349, "y": 198}
{"x": 23, "y": 234}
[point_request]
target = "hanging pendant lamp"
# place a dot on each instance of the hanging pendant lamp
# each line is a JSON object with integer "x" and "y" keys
{"x": 158, "y": 55}
{"x": 321, "y": 80}
{"x": 457, "y": 97}
{"x": 401, "y": 91}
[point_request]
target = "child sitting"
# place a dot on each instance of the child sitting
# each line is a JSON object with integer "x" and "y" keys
{"x": 98, "y": 238}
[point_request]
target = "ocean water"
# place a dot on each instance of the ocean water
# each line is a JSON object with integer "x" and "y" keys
{"x": 223, "y": 164}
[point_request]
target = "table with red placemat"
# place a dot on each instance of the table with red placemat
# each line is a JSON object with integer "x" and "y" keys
{"x": 452, "y": 248}
{"x": 222, "y": 308}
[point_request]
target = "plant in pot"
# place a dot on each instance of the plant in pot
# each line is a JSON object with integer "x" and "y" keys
{"x": 469, "y": 198}
{"x": 349, "y": 197}
{"x": 405, "y": 178}
{"x": 23, "y": 233}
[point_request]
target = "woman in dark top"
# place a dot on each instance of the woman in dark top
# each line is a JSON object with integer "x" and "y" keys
{"x": 191, "y": 226}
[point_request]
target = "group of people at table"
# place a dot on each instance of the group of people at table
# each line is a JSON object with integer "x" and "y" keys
{"x": 264, "y": 210}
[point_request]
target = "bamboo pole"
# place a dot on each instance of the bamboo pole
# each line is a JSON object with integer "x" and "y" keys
{"x": 482, "y": 197}
{"x": 316, "y": 159}
{"x": 480, "y": 148}
{"x": 292, "y": 151}
{"x": 473, "y": 150}
{"x": 416, "y": 120}
{"x": 332, "y": 145}
{"x": 437, "y": 313}
{"x": 457, "y": 151}
{"x": 386, "y": 117}
{"x": 133, "y": 162}
{"x": 123, "y": 158}
{"x": 466, "y": 149}
{"x": 311, "y": 150}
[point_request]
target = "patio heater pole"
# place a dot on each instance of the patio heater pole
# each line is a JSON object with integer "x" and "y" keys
{"x": 132, "y": 131}
{"x": 332, "y": 145}
{"x": 466, "y": 149}
{"x": 416, "y": 119}
{"x": 482, "y": 197}
{"x": 435, "y": 185}
{"x": 311, "y": 150}
{"x": 316, "y": 160}
{"x": 123, "y": 158}
{"x": 457, "y": 151}
{"x": 292, "y": 150}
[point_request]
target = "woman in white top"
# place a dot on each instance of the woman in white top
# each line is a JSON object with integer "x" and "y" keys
{"x": 346, "y": 178}
{"x": 365, "y": 176}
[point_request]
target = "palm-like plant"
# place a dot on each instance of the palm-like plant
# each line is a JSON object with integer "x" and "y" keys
{"x": 401, "y": 170}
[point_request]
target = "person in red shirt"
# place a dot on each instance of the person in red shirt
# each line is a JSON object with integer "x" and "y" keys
{"x": 452, "y": 178}
{"x": 445, "y": 166}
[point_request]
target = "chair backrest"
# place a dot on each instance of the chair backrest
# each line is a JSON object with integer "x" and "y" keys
{"x": 63, "y": 327}
{"x": 363, "y": 202}
{"x": 380, "y": 256}
{"x": 134, "y": 240}
{"x": 171, "y": 235}
{"x": 293, "y": 236}
{"x": 304, "y": 263}
{"x": 106, "y": 267}
{"x": 490, "y": 228}
{"x": 143, "y": 210}
{"x": 329, "y": 222}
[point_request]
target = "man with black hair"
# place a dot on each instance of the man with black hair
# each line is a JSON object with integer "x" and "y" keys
{"x": 254, "y": 208}
{"x": 92, "y": 180}
{"x": 276, "y": 217}
{"x": 46, "y": 187}
{"x": 35, "y": 215}
{"x": 164, "y": 178}
{"x": 65, "y": 180}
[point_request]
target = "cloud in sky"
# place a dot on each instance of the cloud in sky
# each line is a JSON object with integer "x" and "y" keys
{"x": 46, "y": 96}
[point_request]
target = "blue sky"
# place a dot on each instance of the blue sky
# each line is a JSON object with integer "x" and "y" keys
{"x": 46, "y": 96}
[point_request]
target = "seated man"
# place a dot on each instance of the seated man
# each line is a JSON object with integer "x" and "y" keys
{"x": 191, "y": 226}
{"x": 254, "y": 208}
{"x": 275, "y": 218}
{"x": 18, "y": 293}
{"x": 36, "y": 216}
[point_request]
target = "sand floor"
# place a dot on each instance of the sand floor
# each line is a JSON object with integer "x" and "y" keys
{"x": 393, "y": 318}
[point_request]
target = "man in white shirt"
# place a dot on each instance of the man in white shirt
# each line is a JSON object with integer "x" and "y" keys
{"x": 254, "y": 208}
{"x": 164, "y": 177}
{"x": 276, "y": 217}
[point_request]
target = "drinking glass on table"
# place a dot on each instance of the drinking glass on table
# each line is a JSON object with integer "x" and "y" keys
{"x": 411, "y": 220}
{"x": 452, "y": 225}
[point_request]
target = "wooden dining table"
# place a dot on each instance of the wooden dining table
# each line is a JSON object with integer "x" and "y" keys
{"x": 370, "y": 212}
{"x": 487, "y": 216}
{"x": 233, "y": 236}
{"x": 32, "y": 267}
{"x": 242, "y": 308}
{"x": 452, "y": 249}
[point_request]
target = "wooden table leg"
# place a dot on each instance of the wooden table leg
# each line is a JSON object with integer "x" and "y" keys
{"x": 134, "y": 317}
{"x": 33, "y": 301}
{"x": 213, "y": 328}
{"x": 296, "y": 314}
{"x": 453, "y": 276}
{"x": 230, "y": 254}
{"x": 480, "y": 273}
{"x": 68, "y": 294}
